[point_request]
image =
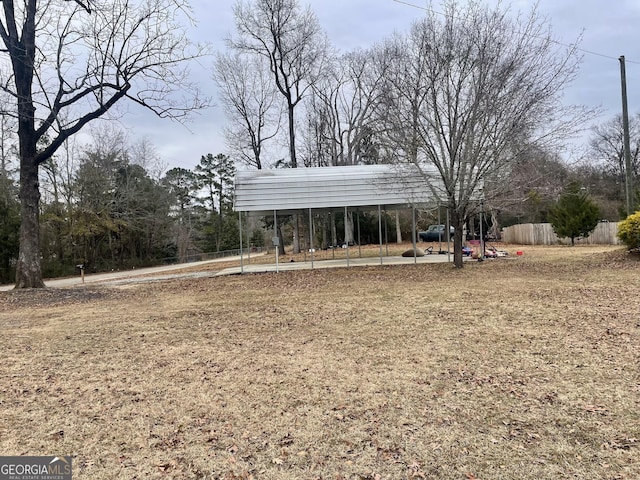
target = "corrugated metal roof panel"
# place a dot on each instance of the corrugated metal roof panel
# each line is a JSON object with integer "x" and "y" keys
{"x": 297, "y": 189}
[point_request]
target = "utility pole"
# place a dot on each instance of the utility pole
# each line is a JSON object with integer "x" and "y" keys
{"x": 625, "y": 128}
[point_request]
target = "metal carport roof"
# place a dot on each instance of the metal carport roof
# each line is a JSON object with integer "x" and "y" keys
{"x": 294, "y": 190}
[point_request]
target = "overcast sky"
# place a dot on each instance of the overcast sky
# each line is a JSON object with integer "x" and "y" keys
{"x": 609, "y": 29}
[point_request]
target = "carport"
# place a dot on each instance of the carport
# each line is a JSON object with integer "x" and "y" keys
{"x": 357, "y": 188}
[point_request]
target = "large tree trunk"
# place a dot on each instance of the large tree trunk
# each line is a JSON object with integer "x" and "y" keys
{"x": 22, "y": 52}
{"x": 398, "y": 229}
{"x": 294, "y": 164}
{"x": 292, "y": 135}
{"x": 325, "y": 228}
{"x": 28, "y": 268}
{"x": 457, "y": 222}
{"x": 348, "y": 229}
{"x": 334, "y": 231}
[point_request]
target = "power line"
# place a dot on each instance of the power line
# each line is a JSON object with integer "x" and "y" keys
{"x": 566, "y": 45}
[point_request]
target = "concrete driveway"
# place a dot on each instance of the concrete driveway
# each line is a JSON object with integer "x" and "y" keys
{"x": 340, "y": 263}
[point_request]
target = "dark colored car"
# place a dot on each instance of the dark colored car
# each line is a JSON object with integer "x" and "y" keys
{"x": 435, "y": 233}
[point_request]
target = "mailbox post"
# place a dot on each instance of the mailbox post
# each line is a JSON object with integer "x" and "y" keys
{"x": 81, "y": 268}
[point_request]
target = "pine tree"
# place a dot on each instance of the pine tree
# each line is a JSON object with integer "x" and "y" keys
{"x": 574, "y": 214}
{"x": 216, "y": 175}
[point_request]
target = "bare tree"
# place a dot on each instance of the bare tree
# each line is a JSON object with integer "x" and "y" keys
{"x": 249, "y": 98}
{"x": 292, "y": 42}
{"x": 344, "y": 104}
{"x": 318, "y": 148}
{"x": 405, "y": 89}
{"x": 534, "y": 182}
{"x": 342, "y": 123}
{"x": 484, "y": 86}
{"x": 606, "y": 148}
{"x": 145, "y": 154}
{"x": 71, "y": 62}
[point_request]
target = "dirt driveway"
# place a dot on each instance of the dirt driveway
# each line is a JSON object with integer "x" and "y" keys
{"x": 152, "y": 272}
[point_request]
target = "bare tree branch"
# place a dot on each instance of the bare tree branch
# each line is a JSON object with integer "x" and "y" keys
{"x": 85, "y": 5}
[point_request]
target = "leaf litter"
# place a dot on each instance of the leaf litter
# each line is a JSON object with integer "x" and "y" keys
{"x": 508, "y": 369}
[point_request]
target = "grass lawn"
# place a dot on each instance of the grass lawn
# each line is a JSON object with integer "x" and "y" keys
{"x": 518, "y": 368}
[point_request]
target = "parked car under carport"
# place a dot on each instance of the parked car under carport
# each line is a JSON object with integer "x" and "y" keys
{"x": 436, "y": 233}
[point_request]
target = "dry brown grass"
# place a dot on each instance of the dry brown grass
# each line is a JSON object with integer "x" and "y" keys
{"x": 508, "y": 369}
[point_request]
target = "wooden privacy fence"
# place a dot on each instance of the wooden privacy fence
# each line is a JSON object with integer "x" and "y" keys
{"x": 543, "y": 234}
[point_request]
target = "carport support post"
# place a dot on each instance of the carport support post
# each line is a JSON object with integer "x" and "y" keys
{"x": 415, "y": 252}
{"x": 440, "y": 236}
{"x": 481, "y": 232}
{"x": 449, "y": 238}
{"x": 275, "y": 229}
{"x": 241, "y": 252}
{"x": 346, "y": 218}
{"x": 311, "y": 237}
{"x": 380, "y": 230}
{"x": 386, "y": 233}
{"x": 359, "y": 239}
